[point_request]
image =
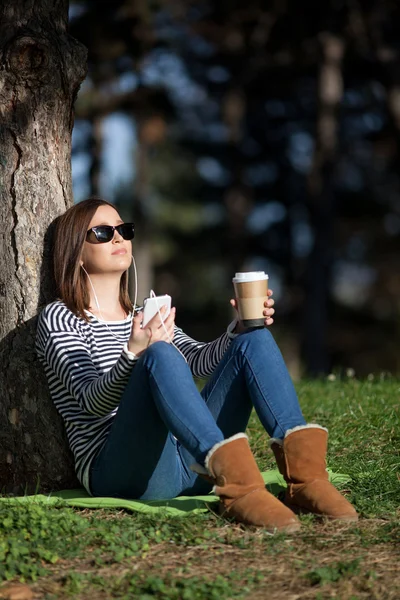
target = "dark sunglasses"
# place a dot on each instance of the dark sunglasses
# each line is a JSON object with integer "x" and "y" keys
{"x": 105, "y": 233}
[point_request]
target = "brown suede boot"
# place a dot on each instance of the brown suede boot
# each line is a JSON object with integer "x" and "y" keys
{"x": 300, "y": 457}
{"x": 240, "y": 486}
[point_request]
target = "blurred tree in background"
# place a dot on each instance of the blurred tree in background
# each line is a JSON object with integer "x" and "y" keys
{"x": 254, "y": 135}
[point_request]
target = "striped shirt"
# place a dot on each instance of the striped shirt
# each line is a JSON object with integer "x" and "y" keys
{"x": 87, "y": 370}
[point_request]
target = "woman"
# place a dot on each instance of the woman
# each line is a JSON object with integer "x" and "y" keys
{"x": 136, "y": 423}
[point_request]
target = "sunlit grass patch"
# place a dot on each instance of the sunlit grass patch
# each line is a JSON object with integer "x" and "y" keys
{"x": 101, "y": 554}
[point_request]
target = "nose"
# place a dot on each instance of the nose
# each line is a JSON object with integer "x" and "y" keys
{"x": 117, "y": 236}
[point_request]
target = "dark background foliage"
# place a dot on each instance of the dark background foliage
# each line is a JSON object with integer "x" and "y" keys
{"x": 265, "y": 135}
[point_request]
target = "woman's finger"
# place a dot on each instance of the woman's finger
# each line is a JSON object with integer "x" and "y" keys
{"x": 149, "y": 332}
{"x": 137, "y": 322}
{"x": 269, "y": 303}
{"x": 138, "y": 318}
{"x": 171, "y": 317}
{"x": 168, "y": 334}
{"x": 155, "y": 322}
{"x": 166, "y": 320}
{"x": 165, "y": 331}
{"x": 270, "y": 292}
{"x": 268, "y": 321}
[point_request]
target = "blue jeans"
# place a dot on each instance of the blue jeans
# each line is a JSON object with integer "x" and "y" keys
{"x": 164, "y": 424}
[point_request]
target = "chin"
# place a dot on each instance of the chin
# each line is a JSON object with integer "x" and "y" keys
{"x": 122, "y": 264}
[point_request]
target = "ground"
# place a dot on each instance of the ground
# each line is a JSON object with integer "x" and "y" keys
{"x": 64, "y": 553}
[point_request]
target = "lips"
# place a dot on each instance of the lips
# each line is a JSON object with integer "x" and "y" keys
{"x": 120, "y": 251}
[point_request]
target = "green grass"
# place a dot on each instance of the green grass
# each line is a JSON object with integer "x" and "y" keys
{"x": 363, "y": 419}
{"x": 66, "y": 553}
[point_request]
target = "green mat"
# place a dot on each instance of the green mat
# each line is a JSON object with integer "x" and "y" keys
{"x": 181, "y": 506}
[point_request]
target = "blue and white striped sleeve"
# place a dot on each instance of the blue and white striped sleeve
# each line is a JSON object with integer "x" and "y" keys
{"x": 203, "y": 357}
{"x": 62, "y": 345}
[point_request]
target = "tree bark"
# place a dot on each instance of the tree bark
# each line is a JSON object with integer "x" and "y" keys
{"x": 41, "y": 68}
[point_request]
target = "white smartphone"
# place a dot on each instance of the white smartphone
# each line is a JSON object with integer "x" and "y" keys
{"x": 151, "y": 306}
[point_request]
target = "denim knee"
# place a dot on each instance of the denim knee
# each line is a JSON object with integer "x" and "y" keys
{"x": 158, "y": 352}
{"x": 159, "y": 349}
{"x": 254, "y": 338}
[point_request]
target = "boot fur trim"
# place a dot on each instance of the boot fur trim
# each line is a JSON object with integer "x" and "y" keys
{"x": 297, "y": 428}
{"x": 199, "y": 469}
{"x": 237, "y": 436}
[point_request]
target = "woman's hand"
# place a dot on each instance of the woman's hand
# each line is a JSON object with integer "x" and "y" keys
{"x": 268, "y": 312}
{"x": 142, "y": 338}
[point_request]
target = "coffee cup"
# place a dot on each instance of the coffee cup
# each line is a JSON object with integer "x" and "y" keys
{"x": 251, "y": 291}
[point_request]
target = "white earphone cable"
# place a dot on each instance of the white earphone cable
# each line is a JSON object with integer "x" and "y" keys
{"x": 136, "y": 284}
{"x": 102, "y": 320}
{"x": 152, "y": 295}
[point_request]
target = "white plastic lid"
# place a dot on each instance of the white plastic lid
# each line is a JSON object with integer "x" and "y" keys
{"x": 250, "y": 276}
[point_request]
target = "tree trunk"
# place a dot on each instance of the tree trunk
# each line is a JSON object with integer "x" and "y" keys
{"x": 41, "y": 70}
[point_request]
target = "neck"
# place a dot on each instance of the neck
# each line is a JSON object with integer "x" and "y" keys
{"x": 107, "y": 292}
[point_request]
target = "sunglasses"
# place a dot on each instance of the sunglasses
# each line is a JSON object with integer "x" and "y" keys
{"x": 105, "y": 233}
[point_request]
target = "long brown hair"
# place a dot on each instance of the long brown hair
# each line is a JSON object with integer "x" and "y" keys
{"x": 71, "y": 280}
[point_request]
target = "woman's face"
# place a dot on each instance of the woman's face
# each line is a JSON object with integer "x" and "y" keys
{"x": 110, "y": 257}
